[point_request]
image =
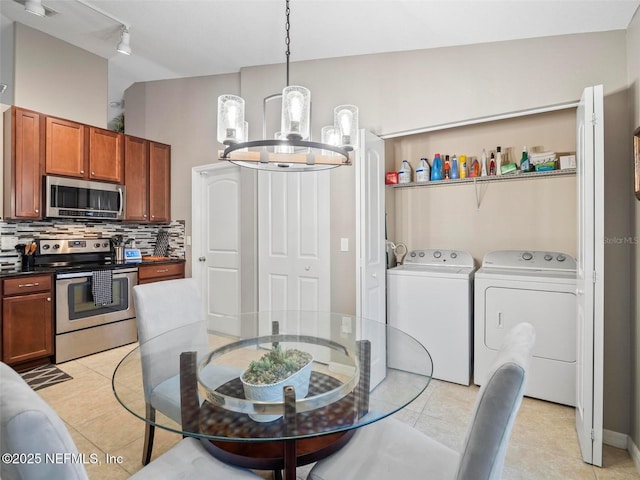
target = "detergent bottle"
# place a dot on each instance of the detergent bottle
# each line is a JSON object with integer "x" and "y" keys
{"x": 499, "y": 161}
{"x": 455, "y": 171}
{"x": 436, "y": 168}
{"x": 463, "y": 166}
{"x": 404, "y": 174}
{"x": 423, "y": 173}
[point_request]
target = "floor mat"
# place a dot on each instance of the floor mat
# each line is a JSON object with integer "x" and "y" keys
{"x": 44, "y": 376}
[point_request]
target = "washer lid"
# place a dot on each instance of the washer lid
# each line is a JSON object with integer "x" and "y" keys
{"x": 530, "y": 260}
{"x": 430, "y": 270}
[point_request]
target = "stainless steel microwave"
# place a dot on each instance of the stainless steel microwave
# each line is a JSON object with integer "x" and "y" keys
{"x": 73, "y": 198}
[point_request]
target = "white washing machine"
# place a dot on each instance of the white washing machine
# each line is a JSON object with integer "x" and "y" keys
{"x": 430, "y": 297}
{"x": 515, "y": 286}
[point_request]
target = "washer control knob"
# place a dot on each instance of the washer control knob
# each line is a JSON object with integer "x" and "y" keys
{"x": 105, "y": 244}
{"x": 527, "y": 256}
{"x": 561, "y": 258}
{"x": 97, "y": 245}
{"x": 56, "y": 246}
{"x": 413, "y": 254}
{"x": 421, "y": 254}
{"x": 454, "y": 255}
{"x": 45, "y": 246}
{"x": 548, "y": 257}
{"x": 437, "y": 254}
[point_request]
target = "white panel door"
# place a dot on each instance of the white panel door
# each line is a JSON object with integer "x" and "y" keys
{"x": 293, "y": 241}
{"x": 371, "y": 283}
{"x": 216, "y": 232}
{"x": 590, "y": 274}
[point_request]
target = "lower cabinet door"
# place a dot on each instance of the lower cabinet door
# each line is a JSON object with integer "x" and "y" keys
{"x": 27, "y": 327}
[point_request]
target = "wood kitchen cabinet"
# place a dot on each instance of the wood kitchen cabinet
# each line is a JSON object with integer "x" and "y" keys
{"x": 23, "y": 157}
{"x": 65, "y": 148}
{"x": 148, "y": 180}
{"x": 77, "y": 150}
{"x": 27, "y": 319}
{"x": 136, "y": 178}
{"x": 159, "y": 182}
{"x": 158, "y": 273}
{"x": 105, "y": 155}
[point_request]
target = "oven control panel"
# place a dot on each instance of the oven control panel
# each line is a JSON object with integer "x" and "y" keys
{"x": 70, "y": 245}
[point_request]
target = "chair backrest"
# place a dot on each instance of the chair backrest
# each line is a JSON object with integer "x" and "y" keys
{"x": 162, "y": 307}
{"x": 29, "y": 426}
{"x": 496, "y": 407}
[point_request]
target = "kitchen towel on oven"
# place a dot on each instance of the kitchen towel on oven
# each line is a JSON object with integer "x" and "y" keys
{"x": 101, "y": 287}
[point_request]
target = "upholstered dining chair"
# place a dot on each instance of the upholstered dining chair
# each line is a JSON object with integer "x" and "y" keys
{"x": 392, "y": 449}
{"x": 31, "y": 428}
{"x": 162, "y": 307}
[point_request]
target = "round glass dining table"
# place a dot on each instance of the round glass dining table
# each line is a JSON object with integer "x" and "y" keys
{"x": 360, "y": 372}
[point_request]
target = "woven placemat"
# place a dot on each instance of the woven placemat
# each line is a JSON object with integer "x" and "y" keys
{"x": 44, "y": 376}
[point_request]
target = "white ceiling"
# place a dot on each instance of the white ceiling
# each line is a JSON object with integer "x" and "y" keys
{"x": 182, "y": 38}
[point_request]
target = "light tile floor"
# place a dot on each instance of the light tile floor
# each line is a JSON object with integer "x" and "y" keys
{"x": 543, "y": 444}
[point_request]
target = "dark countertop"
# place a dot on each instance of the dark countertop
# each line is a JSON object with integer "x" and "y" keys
{"x": 17, "y": 272}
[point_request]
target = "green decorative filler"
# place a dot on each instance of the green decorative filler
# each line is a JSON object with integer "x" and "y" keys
{"x": 275, "y": 366}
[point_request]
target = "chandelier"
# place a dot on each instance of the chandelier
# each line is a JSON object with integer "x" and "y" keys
{"x": 291, "y": 149}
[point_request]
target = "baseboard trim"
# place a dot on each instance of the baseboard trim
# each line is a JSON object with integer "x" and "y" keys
{"x": 615, "y": 439}
{"x": 632, "y": 448}
{"x": 623, "y": 441}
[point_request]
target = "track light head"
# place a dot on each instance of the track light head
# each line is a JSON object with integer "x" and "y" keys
{"x": 35, "y": 7}
{"x": 123, "y": 46}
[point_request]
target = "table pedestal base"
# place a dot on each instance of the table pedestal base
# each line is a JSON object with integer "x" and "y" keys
{"x": 271, "y": 455}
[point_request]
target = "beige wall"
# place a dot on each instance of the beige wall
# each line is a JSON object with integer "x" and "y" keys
{"x": 56, "y": 78}
{"x": 533, "y": 214}
{"x": 633, "y": 69}
{"x": 181, "y": 113}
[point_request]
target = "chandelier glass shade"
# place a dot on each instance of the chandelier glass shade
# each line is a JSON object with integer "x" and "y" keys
{"x": 292, "y": 148}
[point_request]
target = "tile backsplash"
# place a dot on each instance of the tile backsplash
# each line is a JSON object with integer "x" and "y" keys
{"x": 144, "y": 234}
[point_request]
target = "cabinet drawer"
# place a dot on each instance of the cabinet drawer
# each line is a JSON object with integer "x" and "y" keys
{"x": 27, "y": 284}
{"x": 158, "y": 271}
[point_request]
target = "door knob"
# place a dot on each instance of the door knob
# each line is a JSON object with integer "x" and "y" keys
{"x": 579, "y": 291}
{"x": 307, "y": 268}
{"x": 201, "y": 259}
{"x": 374, "y": 275}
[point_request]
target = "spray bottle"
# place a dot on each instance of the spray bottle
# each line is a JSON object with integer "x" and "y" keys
{"x": 463, "y": 166}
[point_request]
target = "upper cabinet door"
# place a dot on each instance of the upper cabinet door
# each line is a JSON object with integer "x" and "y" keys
{"x": 136, "y": 178}
{"x": 24, "y": 151}
{"x": 159, "y": 182}
{"x": 105, "y": 155}
{"x": 65, "y": 148}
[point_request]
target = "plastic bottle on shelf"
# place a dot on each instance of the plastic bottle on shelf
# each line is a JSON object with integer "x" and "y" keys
{"x": 447, "y": 168}
{"x": 423, "y": 173}
{"x": 524, "y": 162}
{"x": 404, "y": 174}
{"x": 492, "y": 164}
{"x": 463, "y": 166}
{"x": 498, "y": 160}
{"x": 483, "y": 163}
{"x": 455, "y": 171}
{"x": 436, "y": 168}
{"x": 474, "y": 170}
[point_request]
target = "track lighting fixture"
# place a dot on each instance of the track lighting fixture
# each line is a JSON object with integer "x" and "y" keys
{"x": 35, "y": 7}
{"x": 123, "y": 46}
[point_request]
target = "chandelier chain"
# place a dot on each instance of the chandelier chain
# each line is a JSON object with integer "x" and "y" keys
{"x": 287, "y": 40}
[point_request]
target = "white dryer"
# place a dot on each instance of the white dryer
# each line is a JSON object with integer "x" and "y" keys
{"x": 430, "y": 297}
{"x": 515, "y": 286}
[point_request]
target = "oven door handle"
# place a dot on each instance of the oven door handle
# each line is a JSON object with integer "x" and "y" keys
{"x": 85, "y": 274}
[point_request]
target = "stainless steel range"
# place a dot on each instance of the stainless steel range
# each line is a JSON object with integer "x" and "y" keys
{"x": 94, "y": 303}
